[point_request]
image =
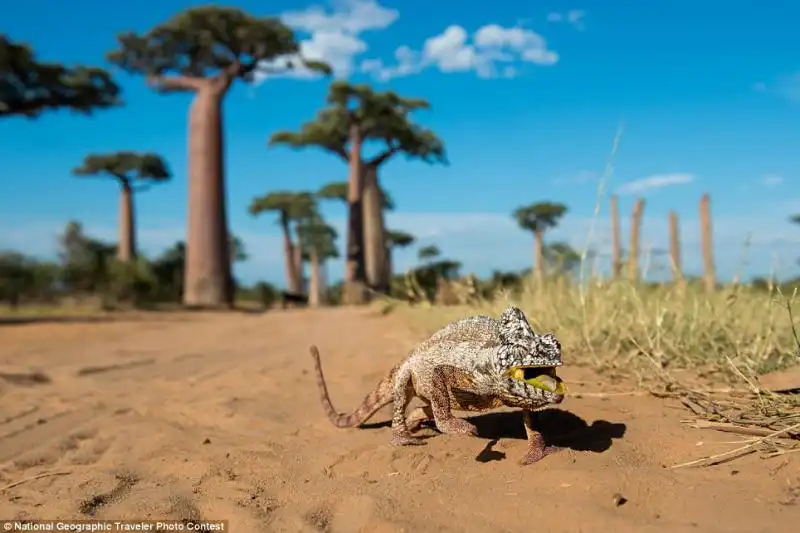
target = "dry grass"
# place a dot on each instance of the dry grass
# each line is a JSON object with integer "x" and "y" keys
{"x": 649, "y": 332}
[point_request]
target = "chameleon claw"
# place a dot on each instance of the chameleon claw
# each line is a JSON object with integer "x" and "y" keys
{"x": 407, "y": 441}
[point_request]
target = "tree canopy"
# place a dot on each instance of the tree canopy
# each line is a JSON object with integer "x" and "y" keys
{"x": 337, "y": 190}
{"x": 428, "y": 252}
{"x": 28, "y": 87}
{"x": 125, "y": 167}
{"x": 290, "y": 205}
{"x": 380, "y": 116}
{"x": 208, "y": 41}
{"x": 539, "y": 217}
{"x": 398, "y": 239}
{"x": 314, "y": 234}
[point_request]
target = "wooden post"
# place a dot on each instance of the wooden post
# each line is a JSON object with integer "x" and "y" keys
{"x": 709, "y": 271}
{"x": 616, "y": 245}
{"x": 636, "y": 227}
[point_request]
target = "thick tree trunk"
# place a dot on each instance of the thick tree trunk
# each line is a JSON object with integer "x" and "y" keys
{"x": 389, "y": 263}
{"x": 675, "y": 248}
{"x": 207, "y": 278}
{"x": 709, "y": 270}
{"x": 538, "y": 256}
{"x": 354, "y": 289}
{"x": 126, "y": 247}
{"x": 374, "y": 233}
{"x": 323, "y": 282}
{"x": 616, "y": 244}
{"x": 314, "y": 281}
{"x": 289, "y": 257}
{"x": 636, "y": 229}
{"x": 300, "y": 268}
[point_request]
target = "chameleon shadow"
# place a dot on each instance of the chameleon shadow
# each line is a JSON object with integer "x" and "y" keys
{"x": 559, "y": 428}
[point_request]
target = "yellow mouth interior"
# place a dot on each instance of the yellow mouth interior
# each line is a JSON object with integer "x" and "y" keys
{"x": 543, "y": 378}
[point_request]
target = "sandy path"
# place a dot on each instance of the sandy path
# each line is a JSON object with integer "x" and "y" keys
{"x": 216, "y": 416}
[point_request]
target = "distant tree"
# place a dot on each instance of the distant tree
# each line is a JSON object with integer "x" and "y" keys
{"x": 204, "y": 50}
{"x": 317, "y": 240}
{"x": 29, "y": 87}
{"x": 290, "y": 207}
{"x": 428, "y": 253}
{"x": 127, "y": 168}
{"x": 396, "y": 239}
{"x": 85, "y": 261}
{"x": 538, "y": 218}
{"x": 561, "y": 258}
{"x": 238, "y": 252}
{"x": 355, "y": 115}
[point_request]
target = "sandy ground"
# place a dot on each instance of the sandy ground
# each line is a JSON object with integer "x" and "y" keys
{"x": 217, "y": 416}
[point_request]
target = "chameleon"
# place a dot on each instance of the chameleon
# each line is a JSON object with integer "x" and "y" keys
{"x": 474, "y": 364}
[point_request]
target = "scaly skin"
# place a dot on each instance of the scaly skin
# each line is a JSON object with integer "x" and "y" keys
{"x": 464, "y": 366}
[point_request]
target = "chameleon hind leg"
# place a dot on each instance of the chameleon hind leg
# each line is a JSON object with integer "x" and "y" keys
{"x": 443, "y": 377}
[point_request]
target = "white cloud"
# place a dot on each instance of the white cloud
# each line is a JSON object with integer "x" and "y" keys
{"x": 334, "y": 35}
{"x": 573, "y": 17}
{"x": 493, "y": 51}
{"x": 772, "y": 180}
{"x": 657, "y": 181}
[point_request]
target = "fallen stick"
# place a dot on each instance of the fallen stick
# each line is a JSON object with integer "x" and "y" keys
{"x": 747, "y": 448}
{"x": 730, "y": 428}
{"x": 32, "y": 478}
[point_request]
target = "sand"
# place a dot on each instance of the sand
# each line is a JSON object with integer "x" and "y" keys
{"x": 217, "y": 416}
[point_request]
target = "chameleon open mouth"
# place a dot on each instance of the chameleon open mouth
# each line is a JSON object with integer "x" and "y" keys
{"x": 541, "y": 377}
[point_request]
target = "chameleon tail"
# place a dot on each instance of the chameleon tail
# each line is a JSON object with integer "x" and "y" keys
{"x": 380, "y": 396}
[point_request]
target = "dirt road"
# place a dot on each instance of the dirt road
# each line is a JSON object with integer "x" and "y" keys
{"x": 217, "y": 416}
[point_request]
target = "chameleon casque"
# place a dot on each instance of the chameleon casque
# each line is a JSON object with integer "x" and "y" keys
{"x": 477, "y": 363}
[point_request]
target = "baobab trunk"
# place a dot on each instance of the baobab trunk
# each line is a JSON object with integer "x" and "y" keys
{"x": 314, "y": 281}
{"x": 636, "y": 227}
{"x": 299, "y": 266}
{"x": 291, "y": 267}
{"x": 353, "y": 289}
{"x": 675, "y": 248}
{"x": 709, "y": 271}
{"x": 616, "y": 244}
{"x": 374, "y": 232}
{"x": 207, "y": 276}
{"x": 538, "y": 256}
{"x": 126, "y": 247}
{"x": 323, "y": 282}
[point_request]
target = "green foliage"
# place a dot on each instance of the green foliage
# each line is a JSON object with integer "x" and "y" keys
{"x": 314, "y": 234}
{"x": 289, "y": 205}
{"x": 378, "y": 116}
{"x": 29, "y": 87}
{"x": 428, "y": 252}
{"x": 126, "y": 167}
{"x": 208, "y": 40}
{"x": 398, "y": 239}
{"x": 337, "y": 190}
{"x": 539, "y": 217}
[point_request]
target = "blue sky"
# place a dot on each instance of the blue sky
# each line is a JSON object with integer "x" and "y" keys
{"x": 527, "y": 95}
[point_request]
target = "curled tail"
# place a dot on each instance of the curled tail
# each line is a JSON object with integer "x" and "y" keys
{"x": 380, "y": 396}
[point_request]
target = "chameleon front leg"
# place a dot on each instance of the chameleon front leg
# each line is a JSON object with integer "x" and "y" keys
{"x": 441, "y": 379}
{"x": 537, "y": 450}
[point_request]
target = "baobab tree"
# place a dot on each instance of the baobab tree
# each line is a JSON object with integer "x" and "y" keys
{"x": 354, "y": 116}
{"x": 317, "y": 240}
{"x": 133, "y": 172}
{"x": 538, "y": 218}
{"x": 203, "y": 50}
{"x": 291, "y": 207}
{"x": 28, "y": 87}
{"x": 396, "y": 239}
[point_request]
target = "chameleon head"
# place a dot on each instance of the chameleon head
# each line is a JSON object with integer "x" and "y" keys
{"x": 526, "y": 362}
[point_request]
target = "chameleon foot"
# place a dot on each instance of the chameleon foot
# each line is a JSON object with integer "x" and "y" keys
{"x": 538, "y": 453}
{"x": 407, "y": 441}
{"x": 457, "y": 426}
